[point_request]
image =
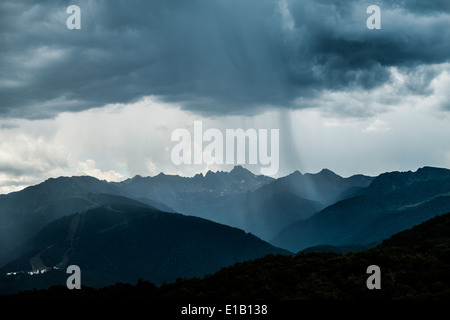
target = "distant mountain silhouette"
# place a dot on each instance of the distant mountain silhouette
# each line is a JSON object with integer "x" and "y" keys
{"x": 25, "y": 212}
{"x": 167, "y": 188}
{"x": 269, "y": 209}
{"x": 391, "y": 203}
{"x": 295, "y": 212}
{"x": 123, "y": 243}
{"x": 324, "y": 187}
{"x": 239, "y": 198}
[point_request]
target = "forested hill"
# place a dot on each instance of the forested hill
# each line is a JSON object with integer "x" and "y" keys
{"x": 414, "y": 265}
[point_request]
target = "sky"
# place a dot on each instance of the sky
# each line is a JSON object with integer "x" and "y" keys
{"x": 105, "y": 99}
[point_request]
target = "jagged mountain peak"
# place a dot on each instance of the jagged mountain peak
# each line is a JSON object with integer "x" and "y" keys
{"x": 432, "y": 172}
{"x": 327, "y": 172}
{"x": 294, "y": 175}
{"x": 82, "y": 178}
{"x": 239, "y": 170}
{"x": 66, "y": 184}
{"x": 390, "y": 181}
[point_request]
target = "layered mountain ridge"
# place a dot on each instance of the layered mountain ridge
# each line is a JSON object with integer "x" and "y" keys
{"x": 298, "y": 212}
{"x": 393, "y": 202}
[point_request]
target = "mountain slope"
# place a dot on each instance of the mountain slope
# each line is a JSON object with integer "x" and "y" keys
{"x": 266, "y": 212}
{"x": 255, "y": 203}
{"x": 239, "y": 198}
{"x": 324, "y": 187}
{"x": 232, "y": 198}
{"x": 62, "y": 207}
{"x": 414, "y": 266}
{"x": 168, "y": 189}
{"x": 393, "y": 202}
{"x": 122, "y": 243}
{"x": 25, "y": 212}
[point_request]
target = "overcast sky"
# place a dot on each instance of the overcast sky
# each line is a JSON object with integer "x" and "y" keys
{"x": 104, "y": 100}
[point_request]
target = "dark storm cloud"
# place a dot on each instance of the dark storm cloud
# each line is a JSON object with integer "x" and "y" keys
{"x": 421, "y": 7}
{"x": 215, "y": 57}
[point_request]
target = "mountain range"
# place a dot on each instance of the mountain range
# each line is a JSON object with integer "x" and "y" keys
{"x": 125, "y": 241}
{"x": 166, "y": 227}
{"x": 255, "y": 203}
{"x": 24, "y": 213}
{"x": 413, "y": 264}
{"x": 393, "y": 202}
{"x": 258, "y": 204}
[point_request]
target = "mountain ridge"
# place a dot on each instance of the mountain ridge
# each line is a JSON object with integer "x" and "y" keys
{"x": 391, "y": 203}
{"x": 123, "y": 242}
{"x": 261, "y": 205}
{"x": 414, "y": 266}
